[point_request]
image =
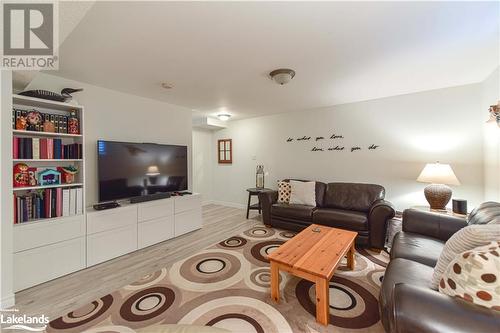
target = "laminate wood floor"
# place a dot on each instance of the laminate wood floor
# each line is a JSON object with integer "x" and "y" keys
{"x": 60, "y": 296}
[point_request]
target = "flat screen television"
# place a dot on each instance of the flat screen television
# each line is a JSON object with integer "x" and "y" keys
{"x": 127, "y": 170}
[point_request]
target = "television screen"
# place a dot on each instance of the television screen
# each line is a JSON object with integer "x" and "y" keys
{"x": 127, "y": 170}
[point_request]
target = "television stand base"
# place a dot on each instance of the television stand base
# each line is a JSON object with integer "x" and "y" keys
{"x": 151, "y": 197}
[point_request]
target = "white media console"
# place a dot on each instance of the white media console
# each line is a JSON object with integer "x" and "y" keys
{"x": 62, "y": 246}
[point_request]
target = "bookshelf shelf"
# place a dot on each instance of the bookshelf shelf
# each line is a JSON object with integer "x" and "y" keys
{"x": 47, "y": 160}
{"x": 27, "y": 188}
{"x": 43, "y": 103}
{"x": 45, "y": 134}
{"x": 40, "y": 222}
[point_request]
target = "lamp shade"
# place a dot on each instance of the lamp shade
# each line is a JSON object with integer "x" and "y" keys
{"x": 153, "y": 171}
{"x": 437, "y": 173}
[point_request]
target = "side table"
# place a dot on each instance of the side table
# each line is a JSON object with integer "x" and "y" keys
{"x": 254, "y": 192}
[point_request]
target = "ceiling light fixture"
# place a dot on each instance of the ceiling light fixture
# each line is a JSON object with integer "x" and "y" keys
{"x": 282, "y": 76}
{"x": 224, "y": 116}
{"x": 166, "y": 85}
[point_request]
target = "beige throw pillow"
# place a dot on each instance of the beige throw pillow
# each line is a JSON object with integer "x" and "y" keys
{"x": 303, "y": 193}
{"x": 463, "y": 240}
{"x": 284, "y": 191}
{"x": 475, "y": 276}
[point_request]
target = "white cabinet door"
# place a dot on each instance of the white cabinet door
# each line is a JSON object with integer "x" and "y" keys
{"x": 107, "y": 245}
{"x": 45, "y": 263}
{"x": 187, "y": 221}
{"x": 155, "y": 231}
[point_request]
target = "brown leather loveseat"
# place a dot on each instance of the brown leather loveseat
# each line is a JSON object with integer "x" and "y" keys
{"x": 407, "y": 303}
{"x": 351, "y": 206}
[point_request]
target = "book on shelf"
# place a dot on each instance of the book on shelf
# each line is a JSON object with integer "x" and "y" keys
{"x": 45, "y": 148}
{"x": 47, "y": 203}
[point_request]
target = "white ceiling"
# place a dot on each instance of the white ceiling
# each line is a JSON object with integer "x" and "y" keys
{"x": 217, "y": 55}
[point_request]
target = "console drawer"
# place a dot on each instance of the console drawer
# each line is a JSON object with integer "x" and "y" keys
{"x": 99, "y": 221}
{"x": 187, "y": 202}
{"x": 111, "y": 244}
{"x": 155, "y": 231}
{"x": 155, "y": 209}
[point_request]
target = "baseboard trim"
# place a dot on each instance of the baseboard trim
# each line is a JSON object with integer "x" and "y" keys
{"x": 229, "y": 204}
{"x": 8, "y": 301}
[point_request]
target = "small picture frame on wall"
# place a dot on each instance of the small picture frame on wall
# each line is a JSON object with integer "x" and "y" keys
{"x": 225, "y": 151}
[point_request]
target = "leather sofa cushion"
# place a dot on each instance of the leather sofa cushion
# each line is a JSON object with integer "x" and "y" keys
{"x": 295, "y": 212}
{"x": 345, "y": 219}
{"x": 320, "y": 190}
{"x": 415, "y": 247}
{"x": 352, "y": 196}
{"x": 401, "y": 271}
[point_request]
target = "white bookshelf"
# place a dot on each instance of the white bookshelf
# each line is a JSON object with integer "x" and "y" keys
{"x": 57, "y": 108}
{"x": 41, "y": 245}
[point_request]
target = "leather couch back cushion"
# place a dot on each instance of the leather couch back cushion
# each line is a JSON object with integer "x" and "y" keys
{"x": 320, "y": 190}
{"x": 352, "y": 196}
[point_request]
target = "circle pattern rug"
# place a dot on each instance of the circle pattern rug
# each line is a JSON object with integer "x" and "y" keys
{"x": 228, "y": 286}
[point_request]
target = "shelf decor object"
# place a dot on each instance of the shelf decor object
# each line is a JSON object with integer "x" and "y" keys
{"x": 438, "y": 193}
{"x": 259, "y": 177}
{"x": 494, "y": 112}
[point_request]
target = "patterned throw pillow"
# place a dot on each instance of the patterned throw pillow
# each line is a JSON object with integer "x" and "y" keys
{"x": 465, "y": 239}
{"x": 475, "y": 276}
{"x": 284, "y": 191}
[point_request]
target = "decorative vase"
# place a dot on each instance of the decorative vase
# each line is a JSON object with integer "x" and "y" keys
{"x": 259, "y": 177}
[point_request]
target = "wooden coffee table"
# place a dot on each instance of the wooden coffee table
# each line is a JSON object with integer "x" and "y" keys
{"x": 313, "y": 254}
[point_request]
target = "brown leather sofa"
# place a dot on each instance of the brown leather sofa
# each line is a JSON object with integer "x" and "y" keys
{"x": 352, "y": 206}
{"x": 407, "y": 303}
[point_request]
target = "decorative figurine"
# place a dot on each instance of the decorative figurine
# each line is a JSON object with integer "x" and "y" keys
{"x": 32, "y": 176}
{"x": 49, "y": 126}
{"x": 73, "y": 124}
{"x": 49, "y": 177}
{"x": 21, "y": 176}
{"x": 34, "y": 119}
{"x": 68, "y": 174}
{"x": 21, "y": 123}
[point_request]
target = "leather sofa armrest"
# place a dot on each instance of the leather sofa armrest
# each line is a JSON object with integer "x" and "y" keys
{"x": 431, "y": 224}
{"x": 267, "y": 199}
{"x": 421, "y": 310}
{"x": 379, "y": 213}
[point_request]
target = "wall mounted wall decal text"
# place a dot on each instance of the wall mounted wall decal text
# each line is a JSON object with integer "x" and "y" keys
{"x": 372, "y": 147}
{"x": 336, "y": 136}
{"x": 320, "y": 138}
{"x": 336, "y": 148}
{"x": 304, "y": 138}
{"x": 289, "y": 140}
{"x": 317, "y": 149}
{"x": 355, "y": 148}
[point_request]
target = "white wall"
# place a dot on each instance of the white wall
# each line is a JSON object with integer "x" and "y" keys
{"x": 112, "y": 115}
{"x": 6, "y": 218}
{"x": 491, "y": 95}
{"x": 203, "y": 154}
{"x": 412, "y": 130}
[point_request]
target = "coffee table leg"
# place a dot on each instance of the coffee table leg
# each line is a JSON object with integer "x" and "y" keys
{"x": 350, "y": 257}
{"x": 275, "y": 282}
{"x": 322, "y": 301}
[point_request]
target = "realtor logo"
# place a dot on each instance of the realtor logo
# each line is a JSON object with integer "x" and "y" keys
{"x": 29, "y": 35}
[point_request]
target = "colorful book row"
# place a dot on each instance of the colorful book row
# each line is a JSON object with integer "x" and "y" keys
{"x": 48, "y": 203}
{"x": 41, "y": 148}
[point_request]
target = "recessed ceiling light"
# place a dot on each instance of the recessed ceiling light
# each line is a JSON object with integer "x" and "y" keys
{"x": 167, "y": 85}
{"x": 282, "y": 76}
{"x": 224, "y": 116}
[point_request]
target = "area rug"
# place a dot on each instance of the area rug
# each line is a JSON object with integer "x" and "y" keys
{"x": 227, "y": 286}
